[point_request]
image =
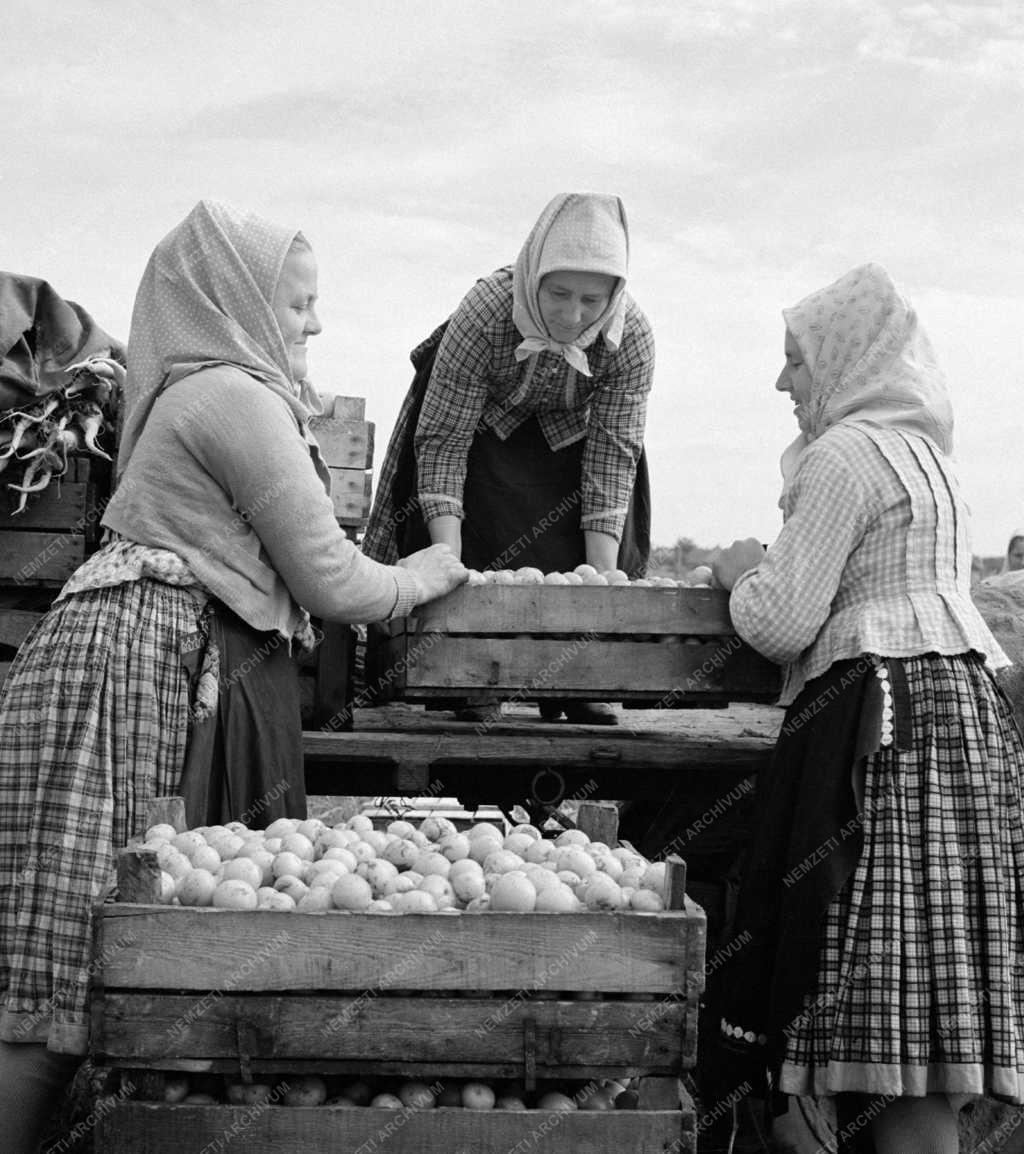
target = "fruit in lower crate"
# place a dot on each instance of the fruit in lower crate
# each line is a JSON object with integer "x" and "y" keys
{"x": 413, "y": 902}
{"x": 528, "y": 575}
{"x": 351, "y": 892}
{"x": 616, "y": 577}
{"x": 596, "y": 1098}
{"x": 386, "y": 1102}
{"x": 513, "y": 893}
{"x": 557, "y": 900}
{"x": 646, "y": 901}
{"x": 234, "y": 894}
{"x": 196, "y": 888}
{"x": 243, "y": 869}
{"x": 248, "y": 1093}
{"x": 556, "y": 579}
{"x": 478, "y": 1096}
{"x": 199, "y": 1099}
{"x": 417, "y": 1096}
{"x": 175, "y": 1087}
{"x": 305, "y": 1090}
{"x": 555, "y": 1100}
{"x": 358, "y": 1092}
{"x": 509, "y": 1102}
{"x": 602, "y": 893}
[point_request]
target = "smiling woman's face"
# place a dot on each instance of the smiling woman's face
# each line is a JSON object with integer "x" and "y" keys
{"x": 294, "y": 306}
{"x": 795, "y": 379}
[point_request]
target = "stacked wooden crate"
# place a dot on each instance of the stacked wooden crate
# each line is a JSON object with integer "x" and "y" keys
{"x": 346, "y": 444}
{"x": 546, "y": 999}
{"x": 649, "y": 647}
{"x": 41, "y": 546}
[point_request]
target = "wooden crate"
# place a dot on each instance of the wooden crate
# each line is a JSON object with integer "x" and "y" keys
{"x": 656, "y": 647}
{"x": 137, "y": 1127}
{"x": 45, "y": 543}
{"x": 346, "y": 444}
{"x": 492, "y": 995}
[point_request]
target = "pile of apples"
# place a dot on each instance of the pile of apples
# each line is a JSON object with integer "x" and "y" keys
{"x": 389, "y": 1094}
{"x": 699, "y": 578}
{"x": 312, "y": 867}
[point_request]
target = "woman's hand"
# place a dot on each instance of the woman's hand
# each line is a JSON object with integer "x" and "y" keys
{"x": 602, "y": 550}
{"x": 437, "y": 571}
{"x": 732, "y": 563}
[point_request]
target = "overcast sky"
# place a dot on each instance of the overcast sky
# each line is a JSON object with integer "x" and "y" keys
{"x": 762, "y": 148}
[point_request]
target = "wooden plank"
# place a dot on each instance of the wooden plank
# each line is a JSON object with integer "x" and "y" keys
{"x": 599, "y": 820}
{"x": 157, "y": 947}
{"x": 621, "y": 749}
{"x": 16, "y": 624}
{"x": 344, "y": 444}
{"x": 351, "y": 492}
{"x": 343, "y": 408}
{"x": 531, "y": 667}
{"x": 484, "y": 1036}
{"x": 131, "y": 1127}
{"x": 59, "y": 506}
{"x": 40, "y": 558}
{"x": 577, "y": 609}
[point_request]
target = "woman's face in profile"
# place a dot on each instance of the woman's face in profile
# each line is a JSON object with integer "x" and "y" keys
{"x": 1015, "y": 555}
{"x": 294, "y": 306}
{"x": 795, "y": 379}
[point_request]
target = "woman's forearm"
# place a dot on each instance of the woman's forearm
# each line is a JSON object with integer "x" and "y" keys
{"x": 446, "y": 530}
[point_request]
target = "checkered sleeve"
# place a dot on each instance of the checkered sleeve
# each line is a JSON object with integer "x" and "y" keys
{"x": 453, "y": 403}
{"x": 780, "y": 607}
{"x": 615, "y": 431}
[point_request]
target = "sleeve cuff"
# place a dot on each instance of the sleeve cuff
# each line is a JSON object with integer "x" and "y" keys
{"x": 408, "y": 591}
{"x": 602, "y": 523}
{"x": 438, "y": 505}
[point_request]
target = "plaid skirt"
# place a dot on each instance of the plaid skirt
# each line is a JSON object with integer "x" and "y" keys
{"x": 920, "y": 978}
{"x": 93, "y": 724}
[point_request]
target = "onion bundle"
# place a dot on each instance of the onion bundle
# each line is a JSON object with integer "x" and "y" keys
{"x": 38, "y": 439}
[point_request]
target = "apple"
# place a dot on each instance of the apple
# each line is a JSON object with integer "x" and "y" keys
{"x": 305, "y": 1090}
{"x": 477, "y": 1096}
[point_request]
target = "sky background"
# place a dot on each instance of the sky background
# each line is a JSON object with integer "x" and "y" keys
{"x": 762, "y": 148}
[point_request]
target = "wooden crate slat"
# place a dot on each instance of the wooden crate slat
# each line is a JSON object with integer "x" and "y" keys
{"x": 536, "y": 666}
{"x": 582, "y": 609}
{"x": 15, "y": 624}
{"x": 39, "y": 558}
{"x": 146, "y": 947}
{"x": 132, "y": 1127}
{"x": 341, "y": 408}
{"x": 351, "y": 492}
{"x": 638, "y": 1037}
{"x": 344, "y": 444}
{"x": 57, "y": 507}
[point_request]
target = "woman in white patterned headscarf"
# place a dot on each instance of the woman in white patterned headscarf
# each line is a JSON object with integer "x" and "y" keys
{"x": 165, "y": 665}
{"x": 520, "y": 442}
{"x": 884, "y": 894}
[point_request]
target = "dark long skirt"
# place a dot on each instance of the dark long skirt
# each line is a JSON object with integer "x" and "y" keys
{"x": 880, "y": 937}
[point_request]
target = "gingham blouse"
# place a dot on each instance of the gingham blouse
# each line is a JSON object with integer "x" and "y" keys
{"x": 477, "y": 383}
{"x": 874, "y": 557}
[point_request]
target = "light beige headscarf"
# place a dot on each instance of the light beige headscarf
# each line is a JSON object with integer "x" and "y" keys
{"x": 205, "y": 298}
{"x": 576, "y": 232}
{"x": 869, "y": 360}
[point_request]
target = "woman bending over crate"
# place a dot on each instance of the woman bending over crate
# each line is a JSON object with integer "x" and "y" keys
{"x": 520, "y": 442}
{"x": 166, "y": 663}
{"x": 883, "y": 896}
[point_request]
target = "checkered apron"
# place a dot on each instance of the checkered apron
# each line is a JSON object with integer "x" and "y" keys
{"x": 920, "y": 981}
{"x": 93, "y": 724}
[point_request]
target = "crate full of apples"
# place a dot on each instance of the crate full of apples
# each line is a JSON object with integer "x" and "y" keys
{"x": 526, "y": 635}
{"x": 412, "y": 953}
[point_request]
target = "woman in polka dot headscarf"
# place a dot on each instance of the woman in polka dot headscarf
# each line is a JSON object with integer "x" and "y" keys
{"x": 166, "y": 663}
{"x": 884, "y": 893}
